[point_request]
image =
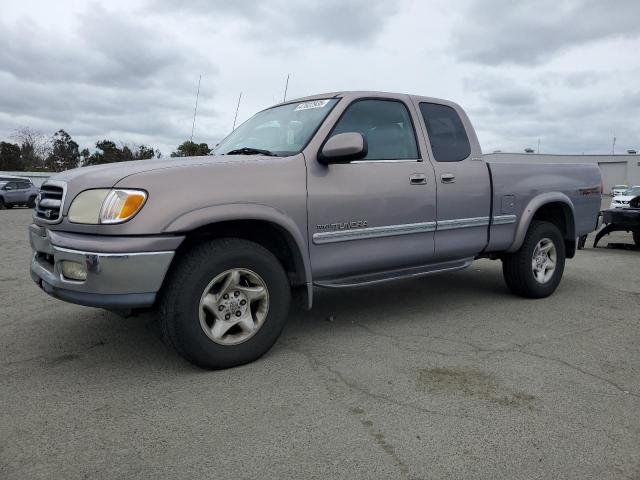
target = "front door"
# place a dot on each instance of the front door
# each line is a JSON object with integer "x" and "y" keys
{"x": 464, "y": 186}
{"x": 11, "y": 193}
{"x": 377, "y": 213}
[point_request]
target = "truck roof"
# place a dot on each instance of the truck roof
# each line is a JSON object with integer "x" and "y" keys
{"x": 371, "y": 93}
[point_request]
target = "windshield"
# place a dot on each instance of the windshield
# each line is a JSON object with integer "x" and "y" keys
{"x": 632, "y": 192}
{"x": 619, "y": 187}
{"x": 282, "y": 131}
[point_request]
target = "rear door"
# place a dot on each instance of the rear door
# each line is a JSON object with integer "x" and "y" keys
{"x": 374, "y": 214}
{"x": 24, "y": 189}
{"x": 463, "y": 183}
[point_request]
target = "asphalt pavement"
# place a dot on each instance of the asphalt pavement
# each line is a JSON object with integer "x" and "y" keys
{"x": 447, "y": 376}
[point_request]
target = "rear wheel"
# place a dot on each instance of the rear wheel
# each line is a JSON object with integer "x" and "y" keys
{"x": 224, "y": 303}
{"x": 2, "y": 205}
{"x": 535, "y": 270}
{"x": 636, "y": 238}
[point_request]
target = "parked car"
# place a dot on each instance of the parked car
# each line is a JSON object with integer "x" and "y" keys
{"x": 337, "y": 190}
{"x": 17, "y": 192}
{"x": 622, "y": 201}
{"x": 619, "y": 190}
{"x": 622, "y": 220}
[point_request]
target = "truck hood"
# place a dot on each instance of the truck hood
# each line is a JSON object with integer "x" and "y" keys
{"x": 110, "y": 174}
{"x": 107, "y": 175}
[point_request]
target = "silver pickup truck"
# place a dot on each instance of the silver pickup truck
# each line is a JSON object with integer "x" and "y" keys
{"x": 337, "y": 190}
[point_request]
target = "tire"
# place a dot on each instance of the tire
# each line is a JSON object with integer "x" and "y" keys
{"x": 2, "y": 205}
{"x": 31, "y": 203}
{"x": 636, "y": 237}
{"x": 518, "y": 267}
{"x": 183, "y": 317}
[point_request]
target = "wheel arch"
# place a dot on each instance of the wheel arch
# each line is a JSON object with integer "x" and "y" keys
{"x": 554, "y": 207}
{"x": 261, "y": 224}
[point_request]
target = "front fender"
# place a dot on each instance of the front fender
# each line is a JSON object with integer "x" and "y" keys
{"x": 247, "y": 211}
{"x": 530, "y": 210}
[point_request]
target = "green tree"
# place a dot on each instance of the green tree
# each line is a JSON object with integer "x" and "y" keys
{"x": 64, "y": 153}
{"x": 10, "y": 158}
{"x": 191, "y": 149}
{"x": 108, "y": 152}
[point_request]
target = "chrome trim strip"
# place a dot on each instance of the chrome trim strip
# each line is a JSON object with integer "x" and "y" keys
{"x": 462, "y": 223}
{"x": 504, "y": 219}
{"x": 406, "y": 229}
{"x": 50, "y": 203}
{"x": 387, "y": 161}
{"x": 373, "y": 232}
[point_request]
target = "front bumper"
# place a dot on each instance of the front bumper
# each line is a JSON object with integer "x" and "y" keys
{"x": 115, "y": 281}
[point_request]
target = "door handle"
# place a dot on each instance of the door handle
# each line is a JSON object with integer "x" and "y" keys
{"x": 418, "y": 179}
{"x": 448, "y": 178}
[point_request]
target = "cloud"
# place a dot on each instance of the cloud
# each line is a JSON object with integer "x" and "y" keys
{"x": 346, "y": 22}
{"x": 123, "y": 77}
{"x": 127, "y": 70}
{"x": 495, "y": 32}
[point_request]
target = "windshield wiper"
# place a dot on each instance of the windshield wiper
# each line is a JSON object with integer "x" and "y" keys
{"x": 251, "y": 151}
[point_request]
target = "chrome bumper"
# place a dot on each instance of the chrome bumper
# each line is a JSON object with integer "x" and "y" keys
{"x": 114, "y": 280}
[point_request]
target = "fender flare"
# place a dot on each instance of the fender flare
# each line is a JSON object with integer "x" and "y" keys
{"x": 249, "y": 211}
{"x": 530, "y": 210}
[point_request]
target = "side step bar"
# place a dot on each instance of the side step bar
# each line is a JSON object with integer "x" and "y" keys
{"x": 391, "y": 275}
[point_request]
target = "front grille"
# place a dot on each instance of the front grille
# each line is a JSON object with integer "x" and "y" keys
{"x": 49, "y": 202}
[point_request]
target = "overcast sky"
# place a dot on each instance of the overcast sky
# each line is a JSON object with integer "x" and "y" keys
{"x": 564, "y": 71}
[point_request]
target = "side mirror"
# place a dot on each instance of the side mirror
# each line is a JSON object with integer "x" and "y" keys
{"x": 343, "y": 148}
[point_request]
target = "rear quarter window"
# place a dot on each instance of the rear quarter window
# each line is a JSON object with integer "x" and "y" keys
{"x": 449, "y": 141}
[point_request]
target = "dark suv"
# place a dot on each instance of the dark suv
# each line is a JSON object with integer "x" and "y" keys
{"x": 17, "y": 192}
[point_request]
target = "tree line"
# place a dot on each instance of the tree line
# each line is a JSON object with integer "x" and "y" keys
{"x": 34, "y": 151}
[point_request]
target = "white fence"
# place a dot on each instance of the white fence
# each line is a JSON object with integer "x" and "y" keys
{"x": 37, "y": 178}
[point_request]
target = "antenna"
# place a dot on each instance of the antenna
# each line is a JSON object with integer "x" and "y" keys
{"x": 195, "y": 110}
{"x": 286, "y": 86}
{"x": 237, "y": 108}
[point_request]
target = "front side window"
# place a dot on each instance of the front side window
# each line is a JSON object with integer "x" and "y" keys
{"x": 387, "y": 126}
{"x": 449, "y": 141}
{"x": 283, "y": 130}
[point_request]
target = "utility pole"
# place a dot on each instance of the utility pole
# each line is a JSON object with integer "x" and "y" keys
{"x": 195, "y": 110}
{"x": 613, "y": 146}
{"x": 237, "y": 108}
{"x": 286, "y": 86}
{"x": 538, "y": 145}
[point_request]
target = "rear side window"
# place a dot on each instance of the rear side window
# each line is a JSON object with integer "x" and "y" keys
{"x": 385, "y": 124}
{"x": 449, "y": 141}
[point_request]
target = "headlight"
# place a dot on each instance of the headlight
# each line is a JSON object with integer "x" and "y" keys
{"x": 106, "y": 206}
{"x": 121, "y": 205}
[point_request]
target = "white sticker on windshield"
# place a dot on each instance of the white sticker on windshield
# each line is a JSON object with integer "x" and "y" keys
{"x": 309, "y": 105}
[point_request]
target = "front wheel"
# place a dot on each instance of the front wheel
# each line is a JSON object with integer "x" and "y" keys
{"x": 636, "y": 237}
{"x": 31, "y": 203}
{"x": 224, "y": 303}
{"x": 535, "y": 270}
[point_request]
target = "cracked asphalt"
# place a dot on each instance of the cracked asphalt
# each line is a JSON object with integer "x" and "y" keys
{"x": 442, "y": 377}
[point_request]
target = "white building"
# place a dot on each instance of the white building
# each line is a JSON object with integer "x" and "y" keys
{"x": 616, "y": 169}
